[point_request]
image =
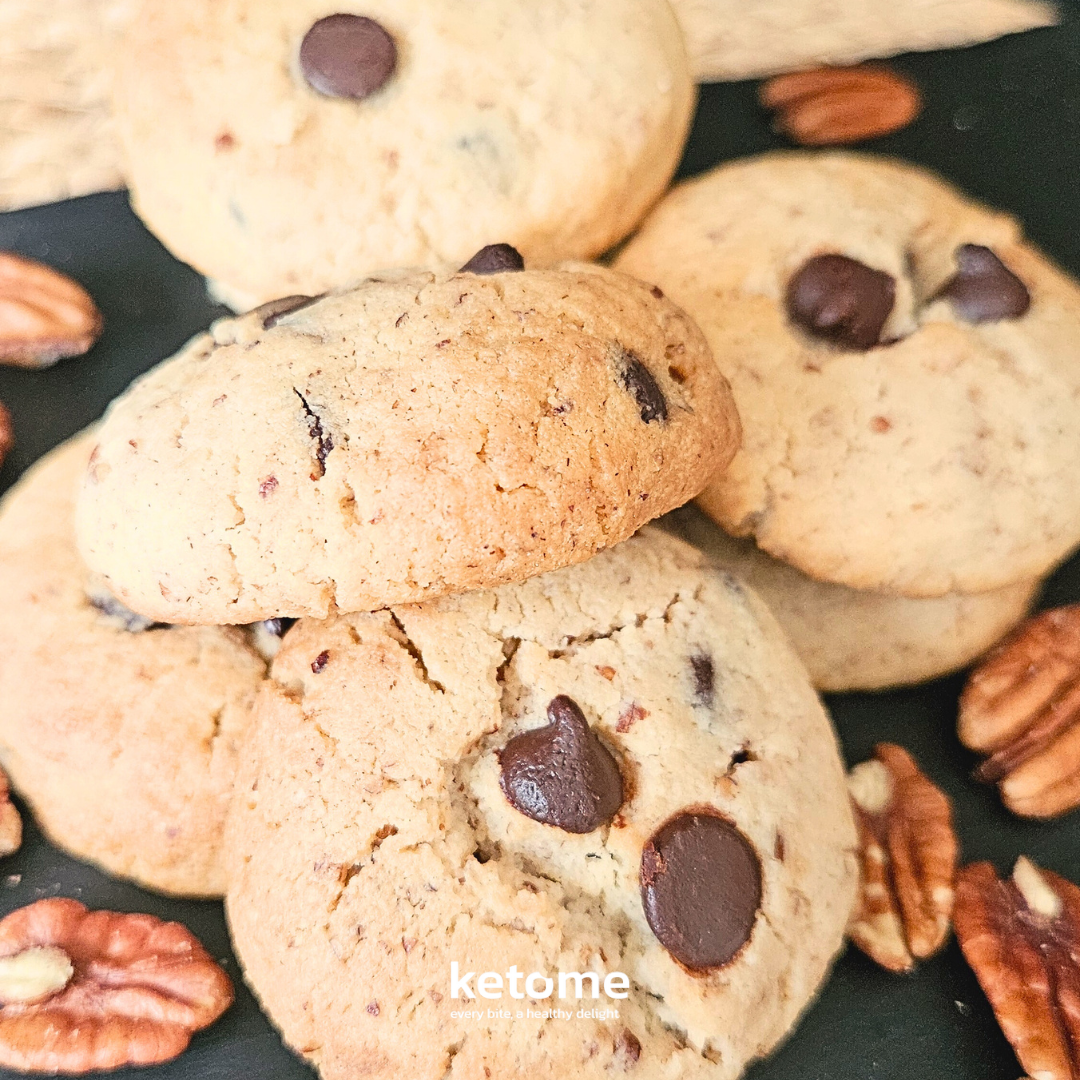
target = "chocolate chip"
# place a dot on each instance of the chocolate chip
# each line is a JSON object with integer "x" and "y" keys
{"x": 701, "y": 888}
{"x": 347, "y": 56}
{"x": 324, "y": 441}
{"x": 984, "y": 289}
{"x": 638, "y": 380}
{"x": 627, "y": 1048}
{"x": 494, "y": 259}
{"x": 562, "y": 774}
{"x": 704, "y": 679}
{"x": 841, "y": 300}
{"x": 273, "y": 310}
{"x": 320, "y": 662}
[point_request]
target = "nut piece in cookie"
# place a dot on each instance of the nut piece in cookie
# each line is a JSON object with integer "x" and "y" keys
{"x": 82, "y": 990}
{"x": 902, "y": 362}
{"x": 1021, "y": 937}
{"x": 908, "y": 852}
{"x": 1021, "y": 707}
{"x": 829, "y": 106}
{"x": 613, "y": 773}
{"x": 44, "y": 315}
{"x": 417, "y": 434}
{"x": 396, "y": 134}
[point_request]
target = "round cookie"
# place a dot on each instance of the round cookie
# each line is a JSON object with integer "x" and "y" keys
{"x": 291, "y": 147}
{"x": 850, "y": 639}
{"x": 416, "y": 795}
{"x": 122, "y": 736}
{"x": 412, "y": 436}
{"x": 904, "y": 364}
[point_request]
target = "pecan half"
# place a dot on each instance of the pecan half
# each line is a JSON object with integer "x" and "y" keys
{"x": 829, "y": 106}
{"x": 83, "y": 990}
{"x": 10, "y": 822}
{"x": 1021, "y": 707}
{"x": 907, "y": 854}
{"x": 7, "y": 433}
{"x": 44, "y": 315}
{"x": 1022, "y": 940}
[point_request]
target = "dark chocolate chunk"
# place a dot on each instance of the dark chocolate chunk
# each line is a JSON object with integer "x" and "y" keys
{"x": 701, "y": 888}
{"x": 562, "y": 774}
{"x": 273, "y": 310}
{"x": 704, "y": 679}
{"x": 638, "y": 381}
{"x": 494, "y": 259}
{"x": 320, "y": 662}
{"x": 347, "y": 56}
{"x": 841, "y": 300}
{"x": 984, "y": 289}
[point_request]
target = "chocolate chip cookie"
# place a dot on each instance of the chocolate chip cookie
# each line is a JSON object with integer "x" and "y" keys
{"x": 730, "y": 39}
{"x": 120, "y": 733}
{"x": 419, "y": 434}
{"x": 852, "y": 639}
{"x": 617, "y": 771}
{"x": 904, "y": 364}
{"x": 293, "y": 147}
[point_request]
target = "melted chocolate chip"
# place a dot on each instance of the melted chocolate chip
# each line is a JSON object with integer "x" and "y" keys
{"x": 324, "y": 441}
{"x": 841, "y": 300}
{"x": 701, "y": 888}
{"x": 347, "y": 56}
{"x": 704, "y": 679}
{"x": 273, "y": 310}
{"x": 494, "y": 259}
{"x": 562, "y": 774}
{"x": 638, "y": 381}
{"x": 984, "y": 289}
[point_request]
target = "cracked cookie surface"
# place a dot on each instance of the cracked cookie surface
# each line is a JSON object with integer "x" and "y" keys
{"x": 853, "y": 639}
{"x": 551, "y": 126}
{"x": 937, "y": 453}
{"x": 416, "y": 435}
{"x": 120, "y": 734}
{"x": 372, "y": 841}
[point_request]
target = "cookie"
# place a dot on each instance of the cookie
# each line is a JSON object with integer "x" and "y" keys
{"x": 850, "y": 639}
{"x": 618, "y": 767}
{"x": 413, "y": 436}
{"x": 56, "y": 130}
{"x": 287, "y": 147}
{"x": 904, "y": 365}
{"x": 729, "y": 39}
{"x": 120, "y": 734}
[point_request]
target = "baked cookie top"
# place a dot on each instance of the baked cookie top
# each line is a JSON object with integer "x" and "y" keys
{"x": 905, "y": 366}
{"x": 617, "y": 767}
{"x": 856, "y": 639}
{"x": 293, "y": 147}
{"x": 122, "y": 735}
{"x": 419, "y": 434}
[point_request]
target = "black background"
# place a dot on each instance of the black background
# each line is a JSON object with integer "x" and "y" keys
{"x": 1001, "y": 120}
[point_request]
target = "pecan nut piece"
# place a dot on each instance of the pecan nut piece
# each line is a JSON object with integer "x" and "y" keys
{"x": 10, "y": 822}
{"x": 84, "y": 990}
{"x": 1022, "y": 940}
{"x": 44, "y": 315}
{"x": 907, "y": 855}
{"x": 1021, "y": 707}
{"x": 829, "y": 106}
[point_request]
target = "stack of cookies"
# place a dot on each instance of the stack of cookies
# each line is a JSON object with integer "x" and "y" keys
{"x": 904, "y": 367}
{"x": 506, "y": 734}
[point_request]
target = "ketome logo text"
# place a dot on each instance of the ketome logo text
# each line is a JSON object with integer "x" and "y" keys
{"x": 536, "y": 985}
